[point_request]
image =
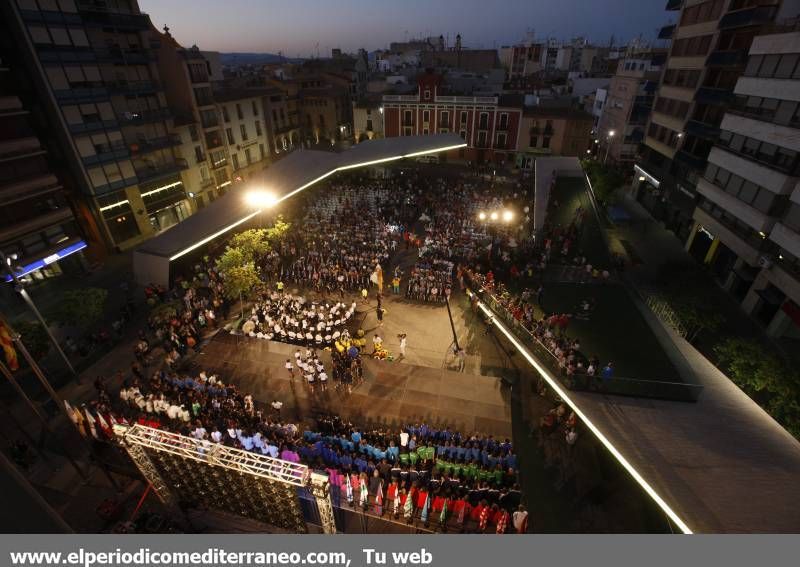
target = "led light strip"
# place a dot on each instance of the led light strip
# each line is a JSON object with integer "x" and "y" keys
{"x": 165, "y": 187}
{"x": 117, "y": 204}
{"x": 551, "y": 380}
{"x": 306, "y": 186}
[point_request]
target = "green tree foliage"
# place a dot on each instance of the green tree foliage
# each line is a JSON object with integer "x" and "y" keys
{"x": 239, "y": 280}
{"x": 278, "y": 231}
{"x": 81, "y": 307}
{"x": 763, "y": 376}
{"x": 605, "y": 180}
{"x": 34, "y": 337}
{"x": 253, "y": 243}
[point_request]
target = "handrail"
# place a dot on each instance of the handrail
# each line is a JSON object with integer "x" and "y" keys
{"x": 619, "y": 386}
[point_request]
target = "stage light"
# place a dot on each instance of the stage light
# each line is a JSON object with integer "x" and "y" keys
{"x": 260, "y": 198}
{"x": 507, "y": 216}
{"x": 494, "y": 215}
{"x": 482, "y": 215}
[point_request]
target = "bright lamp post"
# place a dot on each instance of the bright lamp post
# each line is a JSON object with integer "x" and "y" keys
{"x": 608, "y": 144}
{"x": 29, "y": 301}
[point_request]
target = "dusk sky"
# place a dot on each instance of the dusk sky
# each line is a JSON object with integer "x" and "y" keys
{"x": 295, "y": 27}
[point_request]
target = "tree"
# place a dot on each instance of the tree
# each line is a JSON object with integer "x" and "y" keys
{"x": 763, "y": 376}
{"x": 278, "y": 231}
{"x": 252, "y": 243}
{"x": 80, "y": 307}
{"x": 34, "y": 337}
{"x": 238, "y": 281}
{"x": 231, "y": 258}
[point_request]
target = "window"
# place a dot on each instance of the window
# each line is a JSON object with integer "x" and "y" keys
{"x": 247, "y": 155}
{"x": 534, "y": 142}
{"x": 444, "y": 118}
{"x": 427, "y": 94}
{"x": 501, "y": 141}
{"x": 235, "y": 160}
{"x": 239, "y": 113}
{"x": 546, "y": 142}
{"x": 463, "y": 117}
{"x": 229, "y": 135}
{"x": 198, "y": 154}
{"x": 483, "y": 121}
{"x": 225, "y": 116}
{"x": 691, "y": 46}
{"x": 426, "y": 116}
{"x": 243, "y": 130}
{"x": 425, "y": 131}
{"x": 258, "y": 127}
{"x": 255, "y": 108}
{"x": 261, "y": 151}
{"x": 369, "y": 125}
{"x": 406, "y": 131}
{"x": 193, "y": 133}
{"x": 407, "y": 118}
{"x": 463, "y": 134}
{"x": 503, "y": 121}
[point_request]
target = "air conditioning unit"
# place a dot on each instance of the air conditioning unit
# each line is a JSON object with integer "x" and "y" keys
{"x": 765, "y": 262}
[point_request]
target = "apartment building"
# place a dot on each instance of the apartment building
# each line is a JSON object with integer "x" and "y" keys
{"x": 38, "y": 228}
{"x": 489, "y": 124}
{"x": 747, "y": 224}
{"x": 243, "y": 119}
{"x": 368, "y": 118}
{"x": 708, "y": 53}
{"x": 282, "y": 117}
{"x": 552, "y": 131}
{"x": 96, "y": 71}
{"x": 628, "y": 104}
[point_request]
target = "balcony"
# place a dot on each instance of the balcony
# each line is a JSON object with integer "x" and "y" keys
{"x": 92, "y": 126}
{"x": 133, "y": 87}
{"x": 751, "y": 216}
{"x": 28, "y": 188}
{"x": 153, "y": 144}
{"x": 755, "y": 16}
{"x": 96, "y": 15}
{"x": 691, "y": 160}
{"x": 66, "y": 54}
{"x": 710, "y": 95}
{"x": 666, "y": 32}
{"x": 152, "y": 172}
{"x": 702, "y": 130}
{"x": 17, "y": 148}
{"x": 742, "y": 242}
{"x": 727, "y": 58}
{"x": 116, "y": 54}
{"x": 107, "y": 155}
{"x": 84, "y": 93}
{"x": 37, "y": 223}
{"x": 145, "y": 116}
{"x": 786, "y": 238}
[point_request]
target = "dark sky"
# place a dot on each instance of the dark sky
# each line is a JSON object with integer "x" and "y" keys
{"x": 297, "y": 26}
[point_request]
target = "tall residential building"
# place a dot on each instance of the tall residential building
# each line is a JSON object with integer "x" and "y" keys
{"x": 37, "y": 223}
{"x": 244, "y": 120}
{"x": 707, "y": 56}
{"x": 628, "y": 105}
{"x": 95, "y": 71}
{"x": 747, "y": 224}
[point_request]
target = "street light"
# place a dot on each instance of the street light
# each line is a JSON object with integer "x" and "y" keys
{"x": 21, "y": 290}
{"x": 608, "y": 145}
{"x": 508, "y": 216}
{"x": 482, "y": 215}
{"x": 494, "y": 215}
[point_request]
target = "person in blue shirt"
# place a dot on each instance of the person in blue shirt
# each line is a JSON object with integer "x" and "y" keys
{"x": 346, "y": 461}
{"x": 511, "y": 460}
{"x": 608, "y": 371}
{"x": 356, "y": 437}
{"x": 360, "y": 464}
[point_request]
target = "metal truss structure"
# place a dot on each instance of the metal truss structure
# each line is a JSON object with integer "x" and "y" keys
{"x": 201, "y": 474}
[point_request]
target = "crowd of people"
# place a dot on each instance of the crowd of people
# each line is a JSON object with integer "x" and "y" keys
{"x": 294, "y": 319}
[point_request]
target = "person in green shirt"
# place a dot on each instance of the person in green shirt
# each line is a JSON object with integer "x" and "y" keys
{"x": 430, "y": 453}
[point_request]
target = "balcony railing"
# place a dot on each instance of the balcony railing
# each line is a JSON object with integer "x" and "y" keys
{"x": 107, "y": 155}
{"x": 754, "y": 16}
{"x": 666, "y": 32}
{"x": 710, "y": 95}
{"x": 94, "y": 13}
{"x": 151, "y": 172}
{"x": 691, "y": 160}
{"x": 702, "y": 130}
{"x": 727, "y": 58}
{"x": 153, "y": 144}
{"x": 144, "y": 116}
{"x": 641, "y": 388}
{"x": 117, "y": 54}
{"x": 132, "y": 87}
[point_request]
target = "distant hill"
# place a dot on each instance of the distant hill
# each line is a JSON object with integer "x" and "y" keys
{"x": 254, "y": 58}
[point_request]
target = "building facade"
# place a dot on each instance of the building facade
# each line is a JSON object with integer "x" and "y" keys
{"x": 628, "y": 106}
{"x": 747, "y": 224}
{"x": 552, "y": 132}
{"x": 96, "y": 69}
{"x": 489, "y": 124}
{"x": 368, "y": 119}
{"x": 707, "y": 55}
{"x": 243, "y": 119}
{"x": 39, "y": 232}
